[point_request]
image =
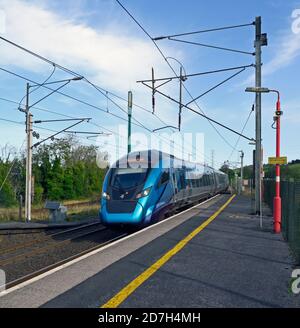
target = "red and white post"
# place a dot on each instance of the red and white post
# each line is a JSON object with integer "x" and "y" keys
{"x": 277, "y": 198}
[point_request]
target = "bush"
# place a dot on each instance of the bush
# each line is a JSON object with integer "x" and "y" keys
{"x": 62, "y": 170}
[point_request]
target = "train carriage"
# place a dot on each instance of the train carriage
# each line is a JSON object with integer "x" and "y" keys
{"x": 144, "y": 186}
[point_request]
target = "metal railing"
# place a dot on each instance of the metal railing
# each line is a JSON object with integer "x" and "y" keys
{"x": 290, "y": 204}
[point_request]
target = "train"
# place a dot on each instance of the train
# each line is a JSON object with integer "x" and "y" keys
{"x": 143, "y": 187}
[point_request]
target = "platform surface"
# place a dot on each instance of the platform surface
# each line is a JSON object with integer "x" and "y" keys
{"x": 231, "y": 262}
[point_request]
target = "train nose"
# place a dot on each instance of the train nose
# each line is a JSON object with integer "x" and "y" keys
{"x": 148, "y": 213}
{"x": 118, "y": 212}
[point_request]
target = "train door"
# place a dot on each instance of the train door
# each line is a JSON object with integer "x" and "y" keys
{"x": 189, "y": 185}
{"x": 181, "y": 185}
{"x": 174, "y": 183}
{"x": 215, "y": 183}
{"x": 164, "y": 189}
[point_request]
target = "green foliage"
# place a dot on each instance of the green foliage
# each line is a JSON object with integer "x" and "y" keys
{"x": 62, "y": 170}
{"x": 7, "y": 193}
{"x": 38, "y": 194}
{"x": 225, "y": 168}
{"x": 289, "y": 171}
{"x": 55, "y": 180}
{"x": 68, "y": 183}
{"x": 248, "y": 172}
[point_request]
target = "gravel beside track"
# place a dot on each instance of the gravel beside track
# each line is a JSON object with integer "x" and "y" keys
{"x": 25, "y": 257}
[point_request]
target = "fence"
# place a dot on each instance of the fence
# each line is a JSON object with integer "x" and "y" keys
{"x": 290, "y": 203}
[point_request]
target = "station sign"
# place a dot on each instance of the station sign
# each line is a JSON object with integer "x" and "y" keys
{"x": 277, "y": 160}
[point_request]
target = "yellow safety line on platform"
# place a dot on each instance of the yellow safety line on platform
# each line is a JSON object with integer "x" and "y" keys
{"x": 120, "y": 297}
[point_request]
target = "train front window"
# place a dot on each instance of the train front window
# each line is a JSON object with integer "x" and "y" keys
{"x": 128, "y": 178}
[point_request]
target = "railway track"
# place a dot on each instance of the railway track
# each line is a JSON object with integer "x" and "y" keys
{"x": 50, "y": 243}
{"x": 27, "y": 260}
{"x": 42, "y": 238}
{"x": 36, "y": 273}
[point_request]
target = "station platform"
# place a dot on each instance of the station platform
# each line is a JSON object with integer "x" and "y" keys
{"x": 212, "y": 255}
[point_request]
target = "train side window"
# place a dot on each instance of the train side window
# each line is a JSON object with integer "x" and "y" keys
{"x": 165, "y": 176}
{"x": 201, "y": 182}
{"x": 209, "y": 180}
{"x": 175, "y": 182}
{"x": 182, "y": 180}
{"x": 195, "y": 183}
{"x": 178, "y": 182}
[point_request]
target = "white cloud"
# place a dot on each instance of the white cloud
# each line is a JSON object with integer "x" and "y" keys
{"x": 110, "y": 57}
{"x": 285, "y": 49}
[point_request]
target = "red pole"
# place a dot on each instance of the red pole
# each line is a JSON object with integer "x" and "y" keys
{"x": 277, "y": 198}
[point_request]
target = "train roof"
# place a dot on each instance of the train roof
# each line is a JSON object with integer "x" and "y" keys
{"x": 153, "y": 155}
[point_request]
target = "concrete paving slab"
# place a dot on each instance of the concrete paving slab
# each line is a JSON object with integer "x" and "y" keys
{"x": 231, "y": 263}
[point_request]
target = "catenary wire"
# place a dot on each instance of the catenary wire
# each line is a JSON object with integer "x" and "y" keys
{"x": 171, "y": 67}
{"x": 64, "y": 69}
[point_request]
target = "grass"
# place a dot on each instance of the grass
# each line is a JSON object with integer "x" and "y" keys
{"x": 77, "y": 210}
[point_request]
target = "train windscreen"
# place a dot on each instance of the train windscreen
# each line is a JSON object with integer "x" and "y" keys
{"x": 125, "y": 178}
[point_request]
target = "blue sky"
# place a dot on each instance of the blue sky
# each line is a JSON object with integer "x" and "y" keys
{"x": 98, "y": 39}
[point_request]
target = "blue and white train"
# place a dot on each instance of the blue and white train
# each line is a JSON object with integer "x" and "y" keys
{"x": 145, "y": 186}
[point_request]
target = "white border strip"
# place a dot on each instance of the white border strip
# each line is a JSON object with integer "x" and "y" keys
{"x": 65, "y": 265}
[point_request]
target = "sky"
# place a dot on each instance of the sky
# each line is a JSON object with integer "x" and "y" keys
{"x": 101, "y": 42}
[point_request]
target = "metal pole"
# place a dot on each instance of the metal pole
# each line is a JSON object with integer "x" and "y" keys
{"x": 129, "y": 120}
{"x": 242, "y": 170}
{"x": 153, "y": 92}
{"x": 277, "y": 198}
{"x": 20, "y": 207}
{"x": 28, "y": 158}
{"x": 258, "y": 160}
{"x": 180, "y": 99}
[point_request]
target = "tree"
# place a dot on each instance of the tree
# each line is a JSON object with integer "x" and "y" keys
{"x": 63, "y": 169}
{"x": 7, "y": 193}
{"x": 55, "y": 181}
{"x": 225, "y": 168}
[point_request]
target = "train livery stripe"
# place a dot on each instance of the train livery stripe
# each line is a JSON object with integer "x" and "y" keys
{"x": 120, "y": 297}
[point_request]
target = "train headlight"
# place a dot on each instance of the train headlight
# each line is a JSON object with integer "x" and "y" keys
{"x": 143, "y": 193}
{"x": 105, "y": 195}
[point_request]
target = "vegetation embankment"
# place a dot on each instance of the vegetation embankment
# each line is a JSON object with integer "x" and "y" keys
{"x": 63, "y": 171}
